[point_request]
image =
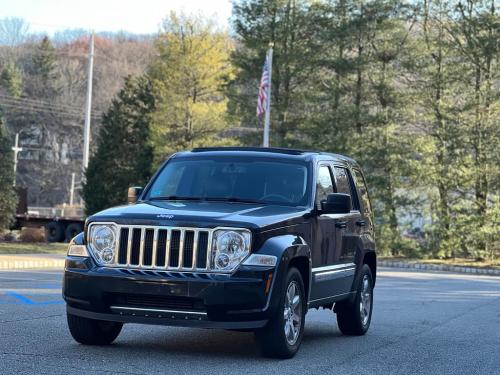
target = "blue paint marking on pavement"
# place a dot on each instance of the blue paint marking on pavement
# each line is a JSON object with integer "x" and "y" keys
{"x": 22, "y": 299}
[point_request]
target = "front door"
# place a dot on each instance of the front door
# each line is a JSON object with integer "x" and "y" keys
{"x": 336, "y": 237}
{"x": 350, "y": 235}
{"x": 327, "y": 263}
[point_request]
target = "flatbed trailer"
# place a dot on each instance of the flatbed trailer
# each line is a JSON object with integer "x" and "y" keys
{"x": 61, "y": 223}
{"x": 57, "y": 228}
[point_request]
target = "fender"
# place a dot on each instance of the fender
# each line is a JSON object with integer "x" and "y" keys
{"x": 79, "y": 239}
{"x": 286, "y": 248}
{"x": 365, "y": 245}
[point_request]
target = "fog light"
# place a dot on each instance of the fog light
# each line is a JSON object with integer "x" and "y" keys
{"x": 222, "y": 260}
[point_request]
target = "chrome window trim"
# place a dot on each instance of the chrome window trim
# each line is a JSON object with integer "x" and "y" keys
{"x": 352, "y": 214}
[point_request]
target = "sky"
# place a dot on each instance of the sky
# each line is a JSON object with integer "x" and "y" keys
{"x": 135, "y": 16}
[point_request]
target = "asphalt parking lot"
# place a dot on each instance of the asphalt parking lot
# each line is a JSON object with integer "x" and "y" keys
{"x": 423, "y": 323}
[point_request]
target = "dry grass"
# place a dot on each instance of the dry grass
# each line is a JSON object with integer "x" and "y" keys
{"x": 32, "y": 248}
{"x": 460, "y": 262}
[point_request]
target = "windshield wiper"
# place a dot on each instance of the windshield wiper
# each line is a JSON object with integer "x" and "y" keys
{"x": 175, "y": 198}
{"x": 232, "y": 199}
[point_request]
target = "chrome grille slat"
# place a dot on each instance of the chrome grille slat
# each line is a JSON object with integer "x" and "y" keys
{"x": 181, "y": 249}
{"x": 195, "y": 249}
{"x": 129, "y": 244}
{"x": 117, "y": 247}
{"x": 165, "y": 247}
{"x": 155, "y": 247}
{"x": 141, "y": 246}
{"x": 209, "y": 250}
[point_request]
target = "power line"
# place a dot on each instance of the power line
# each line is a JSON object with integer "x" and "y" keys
{"x": 46, "y": 109}
{"x": 64, "y": 109}
{"x": 41, "y": 110}
{"x": 41, "y": 102}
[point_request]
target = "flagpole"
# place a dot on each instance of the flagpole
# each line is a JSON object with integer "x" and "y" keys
{"x": 265, "y": 143}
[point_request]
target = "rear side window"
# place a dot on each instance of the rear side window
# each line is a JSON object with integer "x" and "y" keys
{"x": 363, "y": 191}
{"x": 345, "y": 185}
{"x": 342, "y": 181}
{"x": 324, "y": 185}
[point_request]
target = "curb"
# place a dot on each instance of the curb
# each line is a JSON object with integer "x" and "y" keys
{"x": 30, "y": 264}
{"x": 436, "y": 267}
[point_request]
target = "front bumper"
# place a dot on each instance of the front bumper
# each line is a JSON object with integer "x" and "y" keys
{"x": 239, "y": 301}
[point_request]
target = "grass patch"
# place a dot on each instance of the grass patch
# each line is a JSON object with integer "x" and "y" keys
{"x": 32, "y": 248}
{"x": 459, "y": 262}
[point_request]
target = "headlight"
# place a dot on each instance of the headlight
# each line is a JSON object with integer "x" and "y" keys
{"x": 102, "y": 241}
{"x": 229, "y": 248}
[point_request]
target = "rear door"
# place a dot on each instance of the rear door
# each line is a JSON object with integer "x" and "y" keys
{"x": 349, "y": 222}
{"x": 366, "y": 221}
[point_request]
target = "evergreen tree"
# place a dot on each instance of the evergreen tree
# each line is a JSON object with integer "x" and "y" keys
{"x": 124, "y": 156}
{"x": 187, "y": 80}
{"x": 12, "y": 80}
{"x": 44, "y": 77}
{"x": 291, "y": 26}
{"x": 44, "y": 60}
{"x": 8, "y": 198}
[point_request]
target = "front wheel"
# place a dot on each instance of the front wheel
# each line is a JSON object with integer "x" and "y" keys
{"x": 282, "y": 336}
{"x": 93, "y": 332}
{"x": 353, "y": 318}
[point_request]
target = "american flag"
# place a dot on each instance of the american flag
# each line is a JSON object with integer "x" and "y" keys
{"x": 263, "y": 89}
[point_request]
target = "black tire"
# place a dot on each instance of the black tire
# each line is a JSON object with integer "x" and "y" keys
{"x": 271, "y": 339}
{"x": 54, "y": 231}
{"x": 93, "y": 332}
{"x": 353, "y": 318}
{"x": 72, "y": 230}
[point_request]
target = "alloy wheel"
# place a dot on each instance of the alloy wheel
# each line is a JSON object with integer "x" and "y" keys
{"x": 292, "y": 313}
{"x": 365, "y": 300}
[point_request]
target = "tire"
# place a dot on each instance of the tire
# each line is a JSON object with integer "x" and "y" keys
{"x": 54, "y": 231}
{"x": 72, "y": 230}
{"x": 354, "y": 318}
{"x": 93, "y": 332}
{"x": 271, "y": 339}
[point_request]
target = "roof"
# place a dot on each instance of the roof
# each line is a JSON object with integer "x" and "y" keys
{"x": 257, "y": 151}
{"x": 277, "y": 150}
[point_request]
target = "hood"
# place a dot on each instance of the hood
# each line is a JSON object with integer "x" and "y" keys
{"x": 203, "y": 214}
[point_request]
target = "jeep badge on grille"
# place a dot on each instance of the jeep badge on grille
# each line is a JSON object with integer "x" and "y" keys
{"x": 162, "y": 216}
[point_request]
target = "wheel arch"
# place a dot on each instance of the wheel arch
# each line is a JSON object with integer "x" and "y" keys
{"x": 303, "y": 265}
{"x": 291, "y": 251}
{"x": 370, "y": 259}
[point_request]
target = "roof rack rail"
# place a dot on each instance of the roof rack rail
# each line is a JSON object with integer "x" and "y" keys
{"x": 278, "y": 150}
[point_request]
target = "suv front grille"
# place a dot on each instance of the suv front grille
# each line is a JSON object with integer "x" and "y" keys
{"x": 164, "y": 248}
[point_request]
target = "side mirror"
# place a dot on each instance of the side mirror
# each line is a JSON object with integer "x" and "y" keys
{"x": 337, "y": 203}
{"x": 134, "y": 193}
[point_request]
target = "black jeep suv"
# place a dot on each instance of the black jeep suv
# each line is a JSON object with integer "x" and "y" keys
{"x": 230, "y": 238}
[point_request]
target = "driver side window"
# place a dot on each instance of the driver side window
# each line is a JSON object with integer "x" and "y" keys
{"x": 324, "y": 185}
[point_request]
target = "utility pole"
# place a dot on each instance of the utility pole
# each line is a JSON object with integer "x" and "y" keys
{"x": 88, "y": 106}
{"x": 265, "y": 143}
{"x": 72, "y": 190}
{"x": 16, "y": 150}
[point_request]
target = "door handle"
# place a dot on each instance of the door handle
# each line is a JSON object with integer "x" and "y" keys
{"x": 341, "y": 224}
{"x": 361, "y": 223}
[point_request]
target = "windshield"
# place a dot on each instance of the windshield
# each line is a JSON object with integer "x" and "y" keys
{"x": 236, "y": 179}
